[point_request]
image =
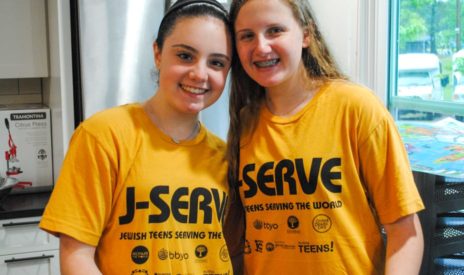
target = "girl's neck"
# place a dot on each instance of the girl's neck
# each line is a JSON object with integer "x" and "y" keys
{"x": 178, "y": 126}
{"x": 290, "y": 97}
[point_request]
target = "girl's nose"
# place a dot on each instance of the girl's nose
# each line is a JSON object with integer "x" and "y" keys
{"x": 262, "y": 45}
{"x": 199, "y": 72}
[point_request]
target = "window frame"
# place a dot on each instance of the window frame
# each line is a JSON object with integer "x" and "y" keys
{"x": 394, "y": 103}
{"x": 373, "y": 51}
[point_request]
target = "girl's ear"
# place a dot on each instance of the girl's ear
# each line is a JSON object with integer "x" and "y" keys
{"x": 157, "y": 55}
{"x": 306, "y": 37}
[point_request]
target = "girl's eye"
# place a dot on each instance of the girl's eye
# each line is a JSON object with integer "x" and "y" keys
{"x": 217, "y": 63}
{"x": 185, "y": 56}
{"x": 245, "y": 36}
{"x": 275, "y": 30}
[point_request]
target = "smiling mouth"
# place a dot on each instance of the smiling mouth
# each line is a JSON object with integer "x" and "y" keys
{"x": 193, "y": 90}
{"x": 267, "y": 63}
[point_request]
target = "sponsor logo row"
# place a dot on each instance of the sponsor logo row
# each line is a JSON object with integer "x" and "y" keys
{"x": 302, "y": 247}
{"x": 141, "y": 254}
{"x": 320, "y": 223}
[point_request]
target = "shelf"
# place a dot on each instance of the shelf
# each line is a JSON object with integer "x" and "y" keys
{"x": 449, "y": 265}
{"x": 448, "y": 241}
{"x": 449, "y": 234}
{"x": 442, "y": 223}
{"x": 449, "y": 196}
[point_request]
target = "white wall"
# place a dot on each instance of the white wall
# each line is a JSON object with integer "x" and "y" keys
{"x": 339, "y": 27}
{"x": 356, "y": 32}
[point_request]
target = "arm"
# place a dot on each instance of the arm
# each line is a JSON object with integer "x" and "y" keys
{"x": 405, "y": 246}
{"x": 76, "y": 257}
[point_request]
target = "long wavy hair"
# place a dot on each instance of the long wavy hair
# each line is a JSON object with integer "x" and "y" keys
{"x": 246, "y": 95}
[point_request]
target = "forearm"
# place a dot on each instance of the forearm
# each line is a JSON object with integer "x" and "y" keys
{"x": 78, "y": 265}
{"x": 405, "y": 246}
{"x": 77, "y": 258}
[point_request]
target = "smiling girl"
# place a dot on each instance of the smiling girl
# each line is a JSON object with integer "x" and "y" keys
{"x": 143, "y": 186}
{"x": 317, "y": 160}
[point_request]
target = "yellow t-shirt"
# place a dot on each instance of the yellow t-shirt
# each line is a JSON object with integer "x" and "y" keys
{"x": 149, "y": 205}
{"x": 303, "y": 183}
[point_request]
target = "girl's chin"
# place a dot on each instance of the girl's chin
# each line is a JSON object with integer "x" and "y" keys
{"x": 268, "y": 83}
{"x": 267, "y": 80}
{"x": 194, "y": 109}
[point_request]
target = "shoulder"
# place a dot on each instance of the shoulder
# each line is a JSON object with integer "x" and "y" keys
{"x": 123, "y": 119}
{"x": 349, "y": 92}
{"x": 114, "y": 125}
{"x": 357, "y": 106}
{"x": 114, "y": 117}
{"x": 214, "y": 142}
{"x": 352, "y": 97}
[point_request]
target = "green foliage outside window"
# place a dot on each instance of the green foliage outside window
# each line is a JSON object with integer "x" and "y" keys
{"x": 459, "y": 65}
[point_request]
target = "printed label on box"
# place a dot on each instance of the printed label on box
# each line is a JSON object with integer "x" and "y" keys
{"x": 25, "y": 144}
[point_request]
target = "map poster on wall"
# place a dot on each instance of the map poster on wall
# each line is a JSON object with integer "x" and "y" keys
{"x": 435, "y": 147}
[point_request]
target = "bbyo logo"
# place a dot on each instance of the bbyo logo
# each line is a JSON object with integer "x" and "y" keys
{"x": 258, "y": 224}
{"x": 201, "y": 251}
{"x": 164, "y": 254}
{"x": 140, "y": 254}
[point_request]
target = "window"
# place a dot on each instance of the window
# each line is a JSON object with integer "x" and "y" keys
{"x": 427, "y": 82}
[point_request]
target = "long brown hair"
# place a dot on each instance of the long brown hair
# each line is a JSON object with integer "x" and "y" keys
{"x": 246, "y": 94}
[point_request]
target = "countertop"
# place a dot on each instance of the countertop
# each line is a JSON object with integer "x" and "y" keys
{"x": 24, "y": 205}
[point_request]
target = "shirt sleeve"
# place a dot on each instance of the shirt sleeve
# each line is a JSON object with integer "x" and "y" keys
{"x": 387, "y": 174}
{"x": 80, "y": 203}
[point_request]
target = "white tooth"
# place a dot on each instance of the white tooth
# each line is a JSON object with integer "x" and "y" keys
{"x": 267, "y": 63}
{"x": 193, "y": 90}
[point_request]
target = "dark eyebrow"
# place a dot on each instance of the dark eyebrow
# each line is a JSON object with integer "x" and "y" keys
{"x": 270, "y": 25}
{"x": 220, "y": 55}
{"x": 187, "y": 47}
{"x": 241, "y": 30}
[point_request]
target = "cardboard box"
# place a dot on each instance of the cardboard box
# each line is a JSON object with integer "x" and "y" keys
{"x": 26, "y": 148}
